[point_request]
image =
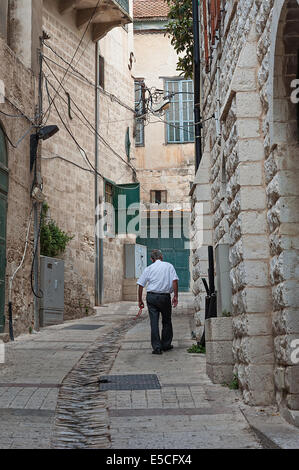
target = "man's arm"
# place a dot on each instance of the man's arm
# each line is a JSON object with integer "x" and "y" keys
{"x": 140, "y": 292}
{"x": 175, "y": 299}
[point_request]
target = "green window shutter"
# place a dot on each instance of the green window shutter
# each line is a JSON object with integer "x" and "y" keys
{"x": 3, "y": 152}
{"x": 124, "y": 196}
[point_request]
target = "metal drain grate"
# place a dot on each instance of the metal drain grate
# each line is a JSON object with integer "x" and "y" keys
{"x": 129, "y": 382}
{"x": 83, "y": 327}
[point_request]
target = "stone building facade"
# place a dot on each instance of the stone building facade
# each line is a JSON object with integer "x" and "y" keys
{"x": 19, "y": 32}
{"x": 164, "y": 155}
{"x": 70, "y": 191}
{"x": 161, "y": 165}
{"x": 247, "y": 189}
{"x": 84, "y": 48}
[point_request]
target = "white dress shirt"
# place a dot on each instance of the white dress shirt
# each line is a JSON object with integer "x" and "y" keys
{"x": 158, "y": 277}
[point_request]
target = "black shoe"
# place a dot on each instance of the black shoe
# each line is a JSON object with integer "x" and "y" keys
{"x": 168, "y": 349}
{"x": 157, "y": 351}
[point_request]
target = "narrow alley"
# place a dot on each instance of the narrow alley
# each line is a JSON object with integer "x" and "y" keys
{"x": 149, "y": 226}
{"x": 47, "y": 402}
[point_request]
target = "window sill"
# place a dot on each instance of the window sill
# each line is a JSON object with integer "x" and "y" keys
{"x": 179, "y": 143}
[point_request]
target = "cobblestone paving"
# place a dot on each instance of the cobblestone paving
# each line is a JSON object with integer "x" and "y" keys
{"x": 187, "y": 412}
{"x": 50, "y": 396}
{"x": 37, "y": 372}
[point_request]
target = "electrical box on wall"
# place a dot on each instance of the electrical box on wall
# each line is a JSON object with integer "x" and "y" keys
{"x": 52, "y": 287}
{"x": 224, "y": 284}
{"x": 135, "y": 261}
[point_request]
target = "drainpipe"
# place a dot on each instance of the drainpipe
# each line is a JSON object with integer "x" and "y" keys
{"x": 36, "y": 208}
{"x": 196, "y": 73}
{"x": 99, "y": 267}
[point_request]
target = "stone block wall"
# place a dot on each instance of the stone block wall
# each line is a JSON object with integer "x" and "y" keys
{"x": 175, "y": 180}
{"x": 202, "y": 237}
{"x": 219, "y": 341}
{"x": 254, "y": 198}
{"x": 281, "y": 175}
{"x": 71, "y": 190}
{"x": 115, "y": 119}
{"x": 20, "y": 90}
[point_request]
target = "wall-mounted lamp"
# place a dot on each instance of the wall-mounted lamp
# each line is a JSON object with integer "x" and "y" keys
{"x": 43, "y": 134}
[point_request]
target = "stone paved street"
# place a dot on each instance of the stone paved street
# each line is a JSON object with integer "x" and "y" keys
{"x": 35, "y": 368}
{"x": 187, "y": 412}
{"x": 65, "y": 362}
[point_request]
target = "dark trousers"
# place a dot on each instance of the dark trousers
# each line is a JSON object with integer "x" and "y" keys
{"x": 160, "y": 303}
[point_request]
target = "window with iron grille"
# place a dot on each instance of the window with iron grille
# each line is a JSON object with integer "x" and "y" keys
{"x": 139, "y": 108}
{"x": 180, "y": 117}
{"x": 157, "y": 197}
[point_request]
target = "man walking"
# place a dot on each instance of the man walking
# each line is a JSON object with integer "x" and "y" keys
{"x": 161, "y": 280}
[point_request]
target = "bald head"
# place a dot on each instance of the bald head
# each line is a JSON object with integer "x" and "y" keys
{"x": 156, "y": 254}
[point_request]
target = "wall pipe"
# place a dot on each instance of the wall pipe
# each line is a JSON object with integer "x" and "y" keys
{"x": 196, "y": 78}
{"x": 99, "y": 265}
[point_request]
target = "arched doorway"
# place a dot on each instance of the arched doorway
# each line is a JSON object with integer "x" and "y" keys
{"x": 282, "y": 171}
{"x": 3, "y": 217}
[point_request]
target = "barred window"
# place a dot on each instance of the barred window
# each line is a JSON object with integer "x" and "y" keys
{"x": 158, "y": 197}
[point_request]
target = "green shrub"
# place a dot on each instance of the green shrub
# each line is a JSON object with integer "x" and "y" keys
{"x": 226, "y": 314}
{"x": 52, "y": 239}
{"x": 234, "y": 384}
{"x": 197, "y": 349}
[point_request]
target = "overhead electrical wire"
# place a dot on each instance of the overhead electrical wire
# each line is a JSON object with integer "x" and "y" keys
{"x": 22, "y": 114}
{"x": 15, "y": 146}
{"x": 59, "y": 157}
{"x": 74, "y": 55}
{"x": 74, "y": 138}
{"x": 93, "y": 130}
{"x": 78, "y": 146}
{"x": 76, "y": 72}
{"x": 85, "y": 118}
{"x": 88, "y": 122}
{"x": 84, "y": 78}
{"x": 80, "y": 76}
{"x": 16, "y": 116}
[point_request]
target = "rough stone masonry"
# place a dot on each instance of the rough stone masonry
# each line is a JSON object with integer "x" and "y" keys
{"x": 247, "y": 184}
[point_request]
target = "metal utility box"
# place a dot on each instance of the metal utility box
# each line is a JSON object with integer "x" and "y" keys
{"x": 135, "y": 261}
{"x": 224, "y": 284}
{"x": 52, "y": 287}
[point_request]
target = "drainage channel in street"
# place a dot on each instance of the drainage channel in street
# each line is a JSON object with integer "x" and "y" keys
{"x": 81, "y": 419}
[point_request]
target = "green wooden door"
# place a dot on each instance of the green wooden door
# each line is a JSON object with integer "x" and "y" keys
{"x": 174, "y": 251}
{"x": 3, "y": 216}
{"x": 126, "y": 199}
